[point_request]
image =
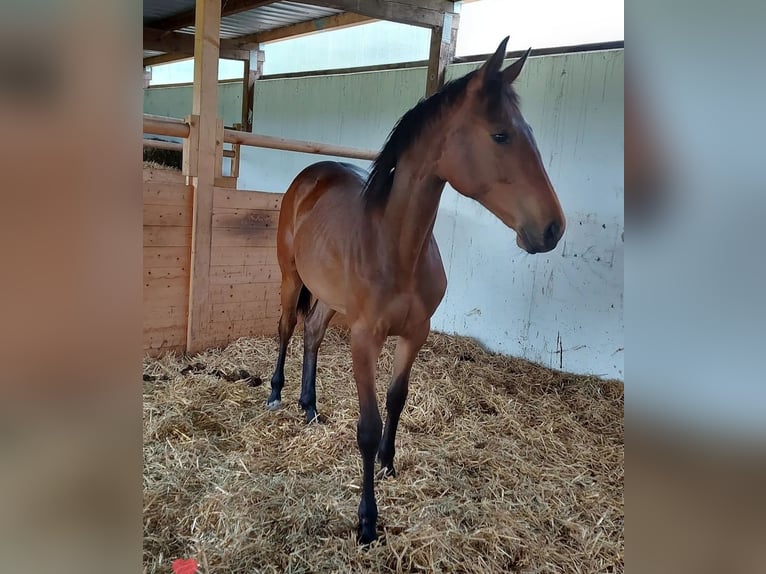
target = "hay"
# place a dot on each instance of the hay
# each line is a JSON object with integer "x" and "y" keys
{"x": 158, "y": 165}
{"x": 168, "y": 158}
{"x": 503, "y": 466}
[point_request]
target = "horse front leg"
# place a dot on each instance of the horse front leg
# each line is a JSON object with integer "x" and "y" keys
{"x": 407, "y": 348}
{"x": 365, "y": 349}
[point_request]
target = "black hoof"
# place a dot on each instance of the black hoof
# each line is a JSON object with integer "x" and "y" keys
{"x": 386, "y": 471}
{"x": 274, "y": 401}
{"x": 312, "y": 417}
{"x": 366, "y": 534}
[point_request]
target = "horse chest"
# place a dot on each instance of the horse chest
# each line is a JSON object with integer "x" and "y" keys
{"x": 411, "y": 307}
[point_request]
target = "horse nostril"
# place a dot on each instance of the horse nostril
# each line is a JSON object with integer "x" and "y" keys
{"x": 552, "y": 235}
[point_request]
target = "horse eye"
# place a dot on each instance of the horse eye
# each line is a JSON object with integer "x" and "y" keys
{"x": 500, "y": 138}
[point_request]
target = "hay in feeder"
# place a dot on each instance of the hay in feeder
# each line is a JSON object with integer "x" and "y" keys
{"x": 164, "y": 158}
{"x": 503, "y": 466}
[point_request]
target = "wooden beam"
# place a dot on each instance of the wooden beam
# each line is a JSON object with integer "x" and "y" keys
{"x": 334, "y": 22}
{"x": 205, "y": 108}
{"x": 442, "y": 51}
{"x": 179, "y": 43}
{"x": 186, "y": 19}
{"x": 253, "y": 71}
{"x": 185, "y": 128}
{"x": 428, "y": 13}
{"x": 164, "y": 59}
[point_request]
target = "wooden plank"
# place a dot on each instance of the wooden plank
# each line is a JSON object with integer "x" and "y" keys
{"x": 234, "y": 274}
{"x": 253, "y": 70}
{"x": 244, "y": 256}
{"x": 164, "y": 350}
{"x": 441, "y": 53}
{"x": 244, "y": 292}
{"x": 163, "y": 59}
{"x": 228, "y": 237}
{"x": 164, "y": 256}
{"x": 223, "y": 333}
{"x": 163, "y": 312}
{"x": 167, "y": 236}
{"x": 245, "y": 219}
{"x": 205, "y": 106}
{"x": 226, "y": 182}
{"x": 165, "y": 338}
{"x": 175, "y": 215}
{"x": 159, "y": 175}
{"x": 229, "y": 198}
{"x": 239, "y": 311}
{"x": 415, "y": 12}
{"x": 164, "y": 317}
{"x": 157, "y": 193}
{"x": 164, "y": 275}
{"x": 334, "y": 22}
{"x": 190, "y": 153}
{"x": 157, "y": 301}
{"x": 165, "y": 283}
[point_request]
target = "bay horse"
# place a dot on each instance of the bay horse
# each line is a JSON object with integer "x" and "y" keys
{"x": 364, "y": 246}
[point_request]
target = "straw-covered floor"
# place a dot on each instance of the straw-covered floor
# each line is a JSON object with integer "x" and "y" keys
{"x": 503, "y": 465}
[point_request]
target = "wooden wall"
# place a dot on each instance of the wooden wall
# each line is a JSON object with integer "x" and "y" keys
{"x": 167, "y": 257}
{"x": 244, "y": 274}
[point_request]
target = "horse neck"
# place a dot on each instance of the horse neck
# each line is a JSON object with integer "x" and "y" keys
{"x": 410, "y": 212}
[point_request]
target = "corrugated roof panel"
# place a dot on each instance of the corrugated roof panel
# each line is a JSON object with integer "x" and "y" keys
{"x": 268, "y": 17}
{"x": 155, "y": 10}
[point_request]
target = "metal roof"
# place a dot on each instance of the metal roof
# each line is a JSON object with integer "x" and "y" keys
{"x": 155, "y": 10}
{"x": 177, "y": 15}
{"x": 267, "y": 18}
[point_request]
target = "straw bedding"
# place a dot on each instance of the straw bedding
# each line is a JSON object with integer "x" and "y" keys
{"x": 503, "y": 465}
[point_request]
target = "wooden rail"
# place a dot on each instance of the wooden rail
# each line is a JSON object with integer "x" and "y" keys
{"x": 255, "y": 140}
{"x": 160, "y": 125}
{"x": 161, "y": 144}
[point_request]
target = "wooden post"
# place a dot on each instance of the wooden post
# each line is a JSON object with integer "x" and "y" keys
{"x": 253, "y": 71}
{"x": 147, "y": 77}
{"x": 443, "y": 39}
{"x": 206, "y": 130}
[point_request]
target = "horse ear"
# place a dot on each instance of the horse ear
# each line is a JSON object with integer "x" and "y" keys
{"x": 491, "y": 66}
{"x": 512, "y": 72}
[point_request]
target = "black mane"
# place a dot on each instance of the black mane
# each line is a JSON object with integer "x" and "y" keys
{"x": 409, "y": 127}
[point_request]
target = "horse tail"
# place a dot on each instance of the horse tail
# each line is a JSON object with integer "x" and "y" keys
{"x": 304, "y": 301}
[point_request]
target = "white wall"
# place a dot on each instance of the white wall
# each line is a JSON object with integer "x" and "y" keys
{"x": 564, "y": 308}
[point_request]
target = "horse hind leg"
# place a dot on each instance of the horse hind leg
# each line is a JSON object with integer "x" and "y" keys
{"x": 314, "y": 330}
{"x": 295, "y": 298}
